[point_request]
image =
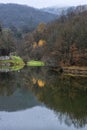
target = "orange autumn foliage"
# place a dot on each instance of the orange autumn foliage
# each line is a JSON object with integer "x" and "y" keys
{"x": 41, "y": 43}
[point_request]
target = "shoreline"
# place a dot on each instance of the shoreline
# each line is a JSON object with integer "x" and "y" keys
{"x": 72, "y": 70}
{"x": 75, "y": 70}
{"x": 10, "y": 61}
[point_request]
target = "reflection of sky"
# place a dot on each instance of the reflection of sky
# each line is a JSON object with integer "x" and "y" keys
{"x": 37, "y": 118}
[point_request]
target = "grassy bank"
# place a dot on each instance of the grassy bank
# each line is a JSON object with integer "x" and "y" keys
{"x": 14, "y": 60}
{"x": 14, "y": 63}
{"x": 75, "y": 71}
{"x": 35, "y": 63}
{"x": 72, "y": 70}
{"x": 10, "y": 68}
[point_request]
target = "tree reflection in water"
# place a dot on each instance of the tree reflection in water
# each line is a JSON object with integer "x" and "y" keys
{"x": 67, "y": 96}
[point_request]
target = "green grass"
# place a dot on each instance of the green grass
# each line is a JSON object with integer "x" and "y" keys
{"x": 11, "y": 68}
{"x": 35, "y": 63}
{"x": 16, "y": 63}
{"x": 15, "y": 60}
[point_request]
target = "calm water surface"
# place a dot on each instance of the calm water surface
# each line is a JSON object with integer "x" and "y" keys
{"x": 39, "y": 99}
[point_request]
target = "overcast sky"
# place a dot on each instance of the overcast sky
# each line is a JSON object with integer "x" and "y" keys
{"x": 46, "y": 3}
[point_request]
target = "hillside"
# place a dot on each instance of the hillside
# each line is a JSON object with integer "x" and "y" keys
{"x": 61, "y": 42}
{"x": 22, "y": 16}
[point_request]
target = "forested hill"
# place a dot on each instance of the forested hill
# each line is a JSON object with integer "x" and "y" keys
{"x": 22, "y": 15}
{"x": 63, "y": 41}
